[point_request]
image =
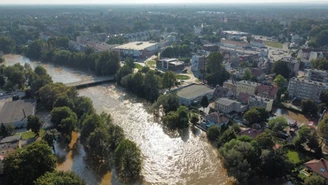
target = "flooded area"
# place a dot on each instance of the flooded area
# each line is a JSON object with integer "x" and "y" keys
{"x": 168, "y": 158}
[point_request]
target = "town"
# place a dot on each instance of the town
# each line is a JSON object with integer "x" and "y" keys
{"x": 254, "y": 83}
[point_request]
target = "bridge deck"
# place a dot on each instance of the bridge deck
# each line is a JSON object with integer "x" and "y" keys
{"x": 91, "y": 81}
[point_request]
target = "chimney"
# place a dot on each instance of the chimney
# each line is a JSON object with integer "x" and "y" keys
{"x": 24, "y": 113}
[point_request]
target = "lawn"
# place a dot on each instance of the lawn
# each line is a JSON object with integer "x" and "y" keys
{"x": 138, "y": 66}
{"x": 273, "y": 44}
{"x": 293, "y": 157}
{"x": 30, "y": 134}
{"x": 183, "y": 77}
{"x": 151, "y": 63}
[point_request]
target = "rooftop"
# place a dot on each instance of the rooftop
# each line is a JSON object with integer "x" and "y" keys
{"x": 136, "y": 45}
{"x": 231, "y": 32}
{"x": 318, "y": 166}
{"x": 15, "y": 111}
{"x": 267, "y": 89}
{"x": 249, "y": 83}
{"x": 237, "y": 43}
{"x": 308, "y": 81}
{"x": 225, "y": 101}
{"x": 193, "y": 91}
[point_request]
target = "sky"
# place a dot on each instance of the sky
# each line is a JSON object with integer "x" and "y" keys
{"x": 150, "y": 1}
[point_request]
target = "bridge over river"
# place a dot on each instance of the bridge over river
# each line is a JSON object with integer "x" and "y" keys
{"x": 91, "y": 82}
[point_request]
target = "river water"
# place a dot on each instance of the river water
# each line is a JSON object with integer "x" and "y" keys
{"x": 168, "y": 158}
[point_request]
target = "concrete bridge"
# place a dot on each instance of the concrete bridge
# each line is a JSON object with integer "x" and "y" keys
{"x": 91, "y": 82}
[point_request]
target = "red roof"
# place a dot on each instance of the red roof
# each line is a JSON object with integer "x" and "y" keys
{"x": 216, "y": 118}
{"x": 256, "y": 72}
{"x": 267, "y": 90}
{"x": 243, "y": 97}
{"x": 318, "y": 166}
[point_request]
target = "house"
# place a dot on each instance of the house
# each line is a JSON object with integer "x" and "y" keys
{"x": 293, "y": 65}
{"x": 245, "y": 86}
{"x": 226, "y": 105}
{"x": 215, "y": 118}
{"x": 318, "y": 75}
{"x": 302, "y": 88}
{"x": 193, "y": 93}
{"x": 256, "y": 101}
{"x": 171, "y": 64}
{"x": 250, "y": 132}
{"x": 16, "y": 112}
{"x": 258, "y": 73}
{"x": 221, "y": 92}
{"x": 211, "y": 47}
{"x": 198, "y": 62}
{"x": 231, "y": 84}
{"x": 137, "y": 49}
{"x": 243, "y": 98}
{"x": 318, "y": 167}
{"x": 267, "y": 91}
{"x": 8, "y": 145}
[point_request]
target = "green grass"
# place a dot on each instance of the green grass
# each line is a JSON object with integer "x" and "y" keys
{"x": 138, "y": 66}
{"x": 293, "y": 157}
{"x": 30, "y": 134}
{"x": 273, "y": 44}
{"x": 151, "y": 63}
{"x": 182, "y": 77}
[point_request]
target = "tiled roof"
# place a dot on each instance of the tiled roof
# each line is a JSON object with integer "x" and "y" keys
{"x": 318, "y": 166}
{"x": 266, "y": 89}
{"x": 243, "y": 97}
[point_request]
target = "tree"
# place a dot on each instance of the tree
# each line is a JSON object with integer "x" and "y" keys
{"x": 309, "y": 107}
{"x": 2, "y": 60}
{"x": 50, "y": 137}
{"x": 64, "y": 119}
{"x": 320, "y": 63}
{"x": 128, "y": 161}
{"x": 27, "y": 164}
{"x": 6, "y": 130}
{"x": 177, "y": 119}
{"x": 59, "y": 178}
{"x": 274, "y": 163}
{"x": 64, "y": 101}
{"x": 265, "y": 140}
{"x": 7, "y": 45}
{"x": 256, "y": 115}
{"x": 247, "y": 74}
{"x": 194, "y": 119}
{"x": 169, "y": 102}
{"x": 215, "y": 72}
{"x": 309, "y": 137}
{"x": 213, "y": 133}
{"x": 280, "y": 81}
{"x": 204, "y": 102}
{"x": 324, "y": 97}
{"x": 90, "y": 123}
{"x": 169, "y": 80}
{"x": 107, "y": 63}
{"x": 49, "y": 93}
{"x": 151, "y": 86}
{"x": 83, "y": 105}
{"x": 123, "y": 71}
{"x": 34, "y": 49}
{"x": 277, "y": 124}
{"x": 281, "y": 68}
{"x": 314, "y": 180}
{"x": 323, "y": 128}
{"x": 34, "y": 123}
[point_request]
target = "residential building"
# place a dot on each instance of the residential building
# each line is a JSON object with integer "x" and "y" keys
{"x": 211, "y": 47}
{"x": 215, "y": 118}
{"x": 8, "y": 145}
{"x": 233, "y": 44}
{"x": 258, "y": 73}
{"x": 198, "y": 62}
{"x": 295, "y": 38}
{"x": 232, "y": 85}
{"x": 16, "y": 112}
{"x": 318, "y": 167}
{"x": 226, "y": 105}
{"x": 138, "y": 36}
{"x": 137, "y": 49}
{"x": 198, "y": 30}
{"x": 248, "y": 87}
{"x": 302, "y": 88}
{"x": 256, "y": 101}
{"x": 293, "y": 65}
{"x": 171, "y": 64}
{"x": 267, "y": 91}
{"x": 243, "y": 98}
{"x": 318, "y": 75}
{"x": 193, "y": 93}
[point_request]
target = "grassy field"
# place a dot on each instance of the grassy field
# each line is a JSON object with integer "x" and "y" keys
{"x": 293, "y": 157}
{"x": 182, "y": 77}
{"x": 30, "y": 134}
{"x": 273, "y": 44}
{"x": 151, "y": 63}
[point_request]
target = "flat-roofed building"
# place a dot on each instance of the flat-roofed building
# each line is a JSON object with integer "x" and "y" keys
{"x": 302, "y": 88}
{"x": 171, "y": 64}
{"x": 318, "y": 75}
{"x": 231, "y": 84}
{"x": 194, "y": 93}
{"x": 226, "y": 105}
{"x": 137, "y": 49}
{"x": 256, "y": 101}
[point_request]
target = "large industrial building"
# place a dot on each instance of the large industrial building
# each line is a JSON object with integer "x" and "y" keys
{"x": 193, "y": 93}
{"x": 137, "y": 49}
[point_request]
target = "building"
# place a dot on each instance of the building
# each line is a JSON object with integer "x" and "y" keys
{"x": 302, "y": 88}
{"x": 171, "y": 64}
{"x": 232, "y": 85}
{"x": 226, "y": 105}
{"x": 215, "y": 118}
{"x": 137, "y": 49}
{"x": 138, "y": 36}
{"x": 318, "y": 167}
{"x": 257, "y": 43}
{"x": 318, "y": 75}
{"x": 221, "y": 92}
{"x": 256, "y": 101}
{"x": 8, "y": 145}
{"x": 233, "y": 34}
{"x": 295, "y": 38}
{"x": 193, "y": 93}
{"x": 16, "y": 112}
{"x": 198, "y": 62}
{"x": 198, "y": 30}
{"x": 267, "y": 91}
{"x": 248, "y": 87}
{"x": 211, "y": 47}
{"x": 233, "y": 44}
{"x": 293, "y": 65}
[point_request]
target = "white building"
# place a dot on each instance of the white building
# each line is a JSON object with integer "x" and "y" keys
{"x": 256, "y": 101}
{"x": 257, "y": 43}
{"x": 137, "y": 49}
{"x": 226, "y": 105}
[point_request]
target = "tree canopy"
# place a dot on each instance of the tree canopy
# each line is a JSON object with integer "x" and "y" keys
{"x": 34, "y": 123}
{"x": 256, "y": 115}
{"x": 281, "y": 68}
{"x": 280, "y": 81}
{"x": 59, "y": 178}
{"x": 309, "y": 107}
{"x": 215, "y": 71}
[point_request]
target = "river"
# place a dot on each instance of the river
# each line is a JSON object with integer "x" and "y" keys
{"x": 168, "y": 158}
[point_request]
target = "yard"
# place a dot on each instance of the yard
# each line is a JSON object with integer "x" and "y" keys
{"x": 30, "y": 134}
{"x": 274, "y": 44}
{"x": 293, "y": 157}
{"x": 138, "y": 66}
{"x": 151, "y": 63}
